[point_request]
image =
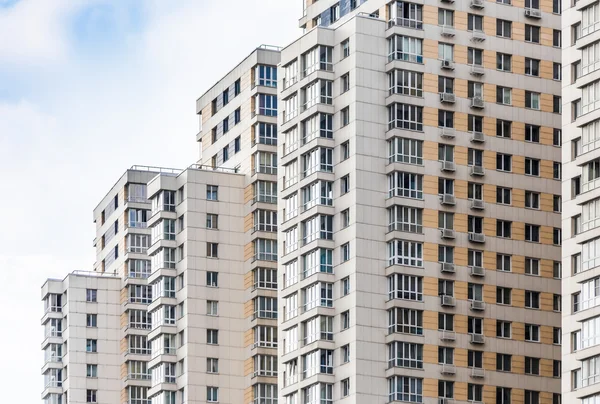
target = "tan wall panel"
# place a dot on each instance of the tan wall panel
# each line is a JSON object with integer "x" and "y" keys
{"x": 248, "y": 308}
{"x": 430, "y": 185}
{"x": 248, "y": 280}
{"x": 546, "y": 301}
{"x": 461, "y": 358}
{"x": 546, "y": 235}
{"x": 518, "y": 231}
{"x": 518, "y": 264}
{"x": 430, "y": 354}
{"x": 430, "y": 387}
{"x": 460, "y": 290}
{"x": 489, "y": 327}
{"x": 546, "y": 367}
{"x": 248, "y": 222}
{"x": 489, "y": 260}
{"x": 461, "y": 254}
{"x": 518, "y": 164}
{"x": 518, "y": 29}
{"x": 489, "y": 57}
{"x": 430, "y": 150}
{"x": 518, "y": 364}
{"x": 248, "y": 366}
{"x": 430, "y": 286}
{"x": 430, "y": 15}
{"x": 489, "y": 93}
{"x": 547, "y": 268}
{"x": 460, "y": 391}
{"x": 461, "y": 121}
{"x": 489, "y": 160}
{"x": 547, "y": 169}
{"x": 430, "y": 83}
{"x": 489, "y": 25}
{"x": 248, "y": 251}
{"x": 460, "y": 20}
{"x": 430, "y": 116}
{"x": 518, "y": 298}
{"x": 430, "y": 252}
{"x": 430, "y": 49}
{"x": 546, "y": 69}
{"x": 518, "y": 97}
{"x": 430, "y": 320}
{"x": 518, "y": 331}
{"x": 249, "y": 337}
{"x": 546, "y": 102}
{"x": 430, "y": 218}
{"x": 546, "y": 336}
{"x": 461, "y": 155}
{"x": 460, "y": 324}
{"x": 248, "y": 193}
{"x": 461, "y": 189}
{"x": 546, "y": 36}
{"x": 460, "y": 224}
{"x": 460, "y": 54}
{"x": 489, "y": 294}
{"x": 547, "y": 202}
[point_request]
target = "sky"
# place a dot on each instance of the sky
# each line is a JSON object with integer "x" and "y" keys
{"x": 89, "y": 88}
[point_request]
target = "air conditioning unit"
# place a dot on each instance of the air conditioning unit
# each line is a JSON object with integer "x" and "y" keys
{"x": 477, "y": 4}
{"x": 447, "y": 64}
{"x": 477, "y": 271}
{"x": 478, "y": 137}
{"x": 448, "y": 98}
{"x": 477, "y": 305}
{"x": 448, "y": 165}
{"x": 448, "y": 335}
{"x": 448, "y": 199}
{"x": 443, "y": 400}
{"x": 448, "y": 301}
{"x": 477, "y": 102}
{"x": 533, "y": 13}
{"x": 478, "y": 36}
{"x": 477, "y": 339}
{"x": 477, "y": 237}
{"x": 447, "y": 132}
{"x": 448, "y": 31}
{"x": 477, "y": 70}
{"x": 447, "y": 1}
{"x": 477, "y": 170}
{"x": 448, "y": 233}
{"x": 477, "y": 204}
{"x": 448, "y": 267}
{"x": 478, "y": 373}
{"x": 448, "y": 369}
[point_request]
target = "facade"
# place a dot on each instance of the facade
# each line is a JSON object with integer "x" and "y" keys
{"x": 191, "y": 255}
{"x": 580, "y": 320}
{"x": 419, "y": 172}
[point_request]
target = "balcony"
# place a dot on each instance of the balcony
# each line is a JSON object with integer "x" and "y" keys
{"x": 448, "y": 166}
{"x": 448, "y": 234}
{"x": 477, "y": 339}
{"x": 448, "y": 301}
{"x": 405, "y": 22}
{"x": 477, "y": 204}
{"x": 477, "y": 305}
{"x": 476, "y": 237}
{"x": 447, "y": 98}
{"x": 447, "y": 267}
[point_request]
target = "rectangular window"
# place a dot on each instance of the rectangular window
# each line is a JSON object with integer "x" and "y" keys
{"x": 503, "y": 28}
{"x": 503, "y": 62}
{"x": 532, "y": 33}
{"x": 503, "y": 95}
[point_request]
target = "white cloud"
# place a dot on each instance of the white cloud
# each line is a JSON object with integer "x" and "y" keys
{"x": 64, "y": 143}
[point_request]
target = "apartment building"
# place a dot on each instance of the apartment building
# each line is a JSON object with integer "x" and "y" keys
{"x": 192, "y": 257}
{"x": 581, "y": 275}
{"x": 419, "y": 172}
{"x": 82, "y": 338}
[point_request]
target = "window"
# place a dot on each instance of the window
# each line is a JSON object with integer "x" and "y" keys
{"x": 556, "y": 38}
{"x": 405, "y": 48}
{"x": 503, "y": 363}
{"x": 503, "y": 195}
{"x": 556, "y": 104}
{"x": 503, "y": 262}
{"x": 212, "y": 308}
{"x": 345, "y": 286}
{"x": 345, "y": 252}
{"x": 405, "y": 388}
{"x": 345, "y": 46}
{"x": 92, "y": 371}
{"x": 345, "y": 353}
{"x": 556, "y": 170}
{"x": 503, "y": 395}
{"x": 345, "y": 320}
{"x": 503, "y": 228}
{"x": 532, "y": 200}
{"x": 532, "y": 266}
{"x": 503, "y": 295}
{"x": 212, "y": 394}
{"x": 503, "y": 162}
{"x": 91, "y": 295}
{"x": 532, "y": 397}
{"x": 92, "y": 320}
{"x": 532, "y": 100}
{"x": 474, "y": 22}
{"x": 345, "y": 116}
{"x": 406, "y": 287}
{"x": 532, "y": 67}
{"x": 404, "y": 150}
{"x": 445, "y": 17}
{"x": 445, "y": 85}
{"x": 532, "y": 33}
{"x": 445, "y": 389}
{"x": 446, "y": 321}
{"x": 503, "y": 28}
{"x": 225, "y": 130}
{"x": 532, "y": 299}
{"x": 345, "y": 387}
{"x": 212, "y": 221}
{"x": 556, "y": 71}
{"x": 212, "y": 193}
{"x": 212, "y": 250}
{"x": 266, "y": 104}
{"x": 503, "y": 62}
{"x": 445, "y": 119}
{"x": 212, "y": 337}
{"x": 91, "y": 396}
{"x": 267, "y": 75}
{"x": 503, "y": 95}
{"x": 475, "y": 56}
{"x": 556, "y": 203}
{"x": 212, "y": 279}
{"x": 404, "y": 116}
{"x": 475, "y": 392}
{"x": 345, "y": 216}
{"x": 446, "y": 51}
{"x": 556, "y": 9}
{"x": 556, "y": 236}
{"x": 345, "y": 83}
{"x": 532, "y": 366}
{"x": 345, "y": 150}
{"x": 532, "y": 167}
{"x": 212, "y": 365}
{"x": 557, "y": 302}
{"x": 91, "y": 345}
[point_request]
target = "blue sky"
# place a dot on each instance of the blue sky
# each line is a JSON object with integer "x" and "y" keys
{"x": 87, "y": 89}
